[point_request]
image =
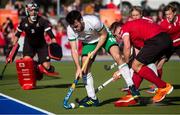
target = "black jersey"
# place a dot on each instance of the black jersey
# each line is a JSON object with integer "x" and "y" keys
{"x": 34, "y": 32}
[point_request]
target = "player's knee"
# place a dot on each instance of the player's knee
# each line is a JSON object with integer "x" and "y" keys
{"x": 117, "y": 57}
{"x": 136, "y": 66}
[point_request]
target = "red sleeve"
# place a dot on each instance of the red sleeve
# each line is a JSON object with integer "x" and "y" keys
{"x": 124, "y": 30}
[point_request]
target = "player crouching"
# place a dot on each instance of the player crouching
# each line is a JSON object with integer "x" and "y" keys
{"x": 34, "y": 27}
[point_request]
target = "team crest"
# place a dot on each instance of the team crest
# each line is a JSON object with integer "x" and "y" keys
{"x": 32, "y": 31}
{"x": 37, "y": 25}
{"x": 26, "y": 25}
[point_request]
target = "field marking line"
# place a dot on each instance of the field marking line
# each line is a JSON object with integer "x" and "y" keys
{"x": 28, "y": 105}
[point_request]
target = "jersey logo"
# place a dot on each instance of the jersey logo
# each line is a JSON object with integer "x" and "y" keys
{"x": 37, "y": 25}
{"x": 32, "y": 31}
{"x": 26, "y": 25}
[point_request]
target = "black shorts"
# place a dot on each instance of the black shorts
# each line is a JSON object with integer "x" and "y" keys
{"x": 160, "y": 45}
{"x": 177, "y": 50}
{"x": 41, "y": 51}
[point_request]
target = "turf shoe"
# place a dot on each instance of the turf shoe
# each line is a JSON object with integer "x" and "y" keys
{"x": 127, "y": 100}
{"x": 88, "y": 102}
{"x": 135, "y": 93}
{"x": 82, "y": 101}
{"x": 152, "y": 89}
{"x": 162, "y": 92}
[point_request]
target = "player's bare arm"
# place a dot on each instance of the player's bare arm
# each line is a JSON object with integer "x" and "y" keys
{"x": 75, "y": 56}
{"x": 102, "y": 39}
{"x": 127, "y": 48}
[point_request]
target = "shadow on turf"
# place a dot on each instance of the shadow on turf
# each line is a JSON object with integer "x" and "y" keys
{"x": 79, "y": 85}
{"x": 144, "y": 101}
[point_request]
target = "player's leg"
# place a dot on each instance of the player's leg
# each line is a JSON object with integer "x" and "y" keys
{"x": 44, "y": 60}
{"x": 112, "y": 47}
{"x": 150, "y": 53}
{"x": 159, "y": 66}
{"x": 27, "y": 74}
{"x": 87, "y": 77}
{"x": 29, "y": 53}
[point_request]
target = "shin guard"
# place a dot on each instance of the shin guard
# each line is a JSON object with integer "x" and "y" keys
{"x": 27, "y": 74}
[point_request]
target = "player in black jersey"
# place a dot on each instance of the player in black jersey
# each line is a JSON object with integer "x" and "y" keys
{"x": 34, "y": 27}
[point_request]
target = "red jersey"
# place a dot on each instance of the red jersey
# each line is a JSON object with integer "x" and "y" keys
{"x": 139, "y": 31}
{"x": 173, "y": 29}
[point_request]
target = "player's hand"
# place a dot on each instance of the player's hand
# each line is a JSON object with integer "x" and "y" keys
{"x": 53, "y": 40}
{"x": 116, "y": 76}
{"x": 14, "y": 41}
{"x": 79, "y": 73}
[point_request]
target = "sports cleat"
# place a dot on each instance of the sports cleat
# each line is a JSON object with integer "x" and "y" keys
{"x": 82, "y": 101}
{"x": 47, "y": 72}
{"x": 135, "y": 93}
{"x": 127, "y": 100}
{"x": 162, "y": 92}
{"x": 88, "y": 102}
{"x": 152, "y": 89}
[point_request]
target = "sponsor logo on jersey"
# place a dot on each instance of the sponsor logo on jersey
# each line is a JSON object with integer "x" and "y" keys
{"x": 32, "y": 31}
{"x": 26, "y": 25}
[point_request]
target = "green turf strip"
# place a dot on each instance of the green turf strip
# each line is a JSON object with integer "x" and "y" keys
{"x": 50, "y": 92}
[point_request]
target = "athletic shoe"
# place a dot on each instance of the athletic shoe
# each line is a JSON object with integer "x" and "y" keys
{"x": 88, "y": 102}
{"x": 47, "y": 72}
{"x": 135, "y": 93}
{"x": 152, "y": 89}
{"x": 127, "y": 100}
{"x": 162, "y": 92}
{"x": 83, "y": 100}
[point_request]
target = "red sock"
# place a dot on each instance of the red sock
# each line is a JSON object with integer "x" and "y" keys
{"x": 137, "y": 80}
{"x": 160, "y": 73}
{"x": 149, "y": 75}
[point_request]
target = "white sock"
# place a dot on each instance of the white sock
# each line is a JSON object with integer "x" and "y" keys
{"x": 131, "y": 72}
{"x": 152, "y": 66}
{"x": 124, "y": 70}
{"x": 90, "y": 87}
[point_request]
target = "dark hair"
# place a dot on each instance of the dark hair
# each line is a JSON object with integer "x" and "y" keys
{"x": 168, "y": 7}
{"x": 114, "y": 26}
{"x": 137, "y": 8}
{"x": 72, "y": 16}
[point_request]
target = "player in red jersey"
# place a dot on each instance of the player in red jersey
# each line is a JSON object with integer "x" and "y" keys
{"x": 171, "y": 24}
{"x": 137, "y": 13}
{"x": 153, "y": 44}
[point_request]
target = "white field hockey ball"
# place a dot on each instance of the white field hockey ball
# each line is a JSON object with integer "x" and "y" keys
{"x": 72, "y": 105}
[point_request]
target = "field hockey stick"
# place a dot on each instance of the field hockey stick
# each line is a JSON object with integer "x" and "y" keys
{"x": 110, "y": 67}
{"x": 2, "y": 73}
{"x": 103, "y": 85}
{"x": 98, "y": 89}
{"x": 72, "y": 88}
{"x": 10, "y": 58}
